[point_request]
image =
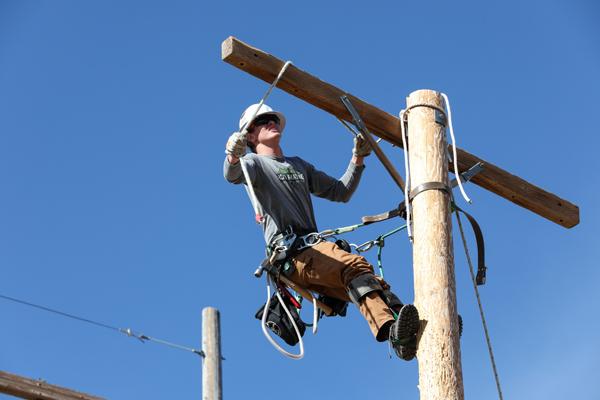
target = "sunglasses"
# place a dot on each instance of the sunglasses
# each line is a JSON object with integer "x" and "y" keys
{"x": 265, "y": 119}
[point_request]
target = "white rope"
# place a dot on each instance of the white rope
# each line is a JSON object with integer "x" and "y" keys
{"x": 455, "y": 158}
{"x": 315, "y": 315}
{"x": 485, "y": 329}
{"x": 258, "y": 217}
{"x": 251, "y": 194}
{"x": 289, "y": 315}
{"x": 407, "y": 172}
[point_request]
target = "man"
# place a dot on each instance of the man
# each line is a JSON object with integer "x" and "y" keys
{"x": 283, "y": 186}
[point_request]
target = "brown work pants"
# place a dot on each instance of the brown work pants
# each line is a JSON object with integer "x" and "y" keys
{"x": 327, "y": 269}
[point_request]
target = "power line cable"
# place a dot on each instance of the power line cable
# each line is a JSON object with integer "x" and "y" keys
{"x": 127, "y": 331}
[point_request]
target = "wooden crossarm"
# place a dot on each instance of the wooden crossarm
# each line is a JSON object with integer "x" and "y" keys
{"x": 327, "y": 97}
{"x": 27, "y": 388}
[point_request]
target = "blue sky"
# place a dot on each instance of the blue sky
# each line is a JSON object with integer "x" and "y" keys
{"x": 113, "y": 119}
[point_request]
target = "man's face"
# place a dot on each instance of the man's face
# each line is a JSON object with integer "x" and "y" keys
{"x": 264, "y": 129}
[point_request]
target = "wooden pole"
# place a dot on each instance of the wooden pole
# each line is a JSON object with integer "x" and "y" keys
{"x": 211, "y": 346}
{"x": 440, "y": 371}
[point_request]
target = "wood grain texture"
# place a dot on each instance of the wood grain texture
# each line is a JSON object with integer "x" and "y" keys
{"x": 327, "y": 97}
{"x": 26, "y": 388}
{"x": 440, "y": 370}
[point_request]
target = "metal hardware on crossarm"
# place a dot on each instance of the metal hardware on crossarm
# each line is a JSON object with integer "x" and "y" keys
{"x": 360, "y": 125}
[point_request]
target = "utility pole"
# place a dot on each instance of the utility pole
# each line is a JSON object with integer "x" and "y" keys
{"x": 440, "y": 371}
{"x": 211, "y": 346}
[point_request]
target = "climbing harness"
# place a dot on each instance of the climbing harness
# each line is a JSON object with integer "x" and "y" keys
{"x": 278, "y": 267}
{"x": 288, "y": 244}
{"x": 257, "y": 216}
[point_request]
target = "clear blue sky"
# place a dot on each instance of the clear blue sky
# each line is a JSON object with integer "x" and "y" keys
{"x": 113, "y": 119}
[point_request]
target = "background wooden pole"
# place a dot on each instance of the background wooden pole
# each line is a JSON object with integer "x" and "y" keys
{"x": 440, "y": 370}
{"x": 211, "y": 346}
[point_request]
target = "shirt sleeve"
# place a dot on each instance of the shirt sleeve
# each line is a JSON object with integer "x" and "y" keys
{"x": 233, "y": 172}
{"x": 327, "y": 187}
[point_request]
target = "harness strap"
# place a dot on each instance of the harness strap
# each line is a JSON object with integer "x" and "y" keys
{"x": 481, "y": 268}
{"x": 399, "y": 211}
{"x": 429, "y": 186}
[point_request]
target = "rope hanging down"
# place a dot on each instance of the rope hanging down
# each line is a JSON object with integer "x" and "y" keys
{"x": 127, "y": 331}
{"x": 481, "y": 313}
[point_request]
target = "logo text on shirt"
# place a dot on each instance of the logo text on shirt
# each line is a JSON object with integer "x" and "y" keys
{"x": 289, "y": 174}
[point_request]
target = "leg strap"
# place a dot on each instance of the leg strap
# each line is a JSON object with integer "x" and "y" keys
{"x": 392, "y": 300}
{"x": 361, "y": 286}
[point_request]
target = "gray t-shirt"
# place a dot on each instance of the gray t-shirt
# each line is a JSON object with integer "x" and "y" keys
{"x": 283, "y": 187}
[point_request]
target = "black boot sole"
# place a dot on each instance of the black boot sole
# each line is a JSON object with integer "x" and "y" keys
{"x": 403, "y": 333}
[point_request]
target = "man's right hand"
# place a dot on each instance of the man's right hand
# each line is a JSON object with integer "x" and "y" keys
{"x": 236, "y": 145}
{"x": 362, "y": 148}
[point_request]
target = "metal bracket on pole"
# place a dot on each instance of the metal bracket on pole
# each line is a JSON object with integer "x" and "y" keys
{"x": 467, "y": 175}
{"x": 360, "y": 125}
{"x": 440, "y": 117}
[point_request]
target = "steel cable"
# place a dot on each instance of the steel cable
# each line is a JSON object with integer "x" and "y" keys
{"x": 481, "y": 313}
{"x": 127, "y": 331}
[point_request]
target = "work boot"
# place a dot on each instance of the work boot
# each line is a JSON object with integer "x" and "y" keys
{"x": 403, "y": 333}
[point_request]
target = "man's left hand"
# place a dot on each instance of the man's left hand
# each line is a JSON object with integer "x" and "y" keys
{"x": 362, "y": 148}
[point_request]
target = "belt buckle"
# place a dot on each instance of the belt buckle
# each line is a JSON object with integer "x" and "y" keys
{"x": 283, "y": 245}
{"x": 309, "y": 240}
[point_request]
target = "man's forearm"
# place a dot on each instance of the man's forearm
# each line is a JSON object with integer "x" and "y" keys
{"x": 356, "y": 160}
{"x": 232, "y": 170}
{"x": 232, "y": 159}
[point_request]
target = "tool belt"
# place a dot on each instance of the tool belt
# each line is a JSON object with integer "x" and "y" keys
{"x": 286, "y": 245}
{"x": 279, "y": 323}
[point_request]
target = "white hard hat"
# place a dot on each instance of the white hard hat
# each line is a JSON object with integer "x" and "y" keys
{"x": 264, "y": 109}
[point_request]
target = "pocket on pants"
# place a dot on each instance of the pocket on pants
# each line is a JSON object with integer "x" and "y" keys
{"x": 304, "y": 267}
